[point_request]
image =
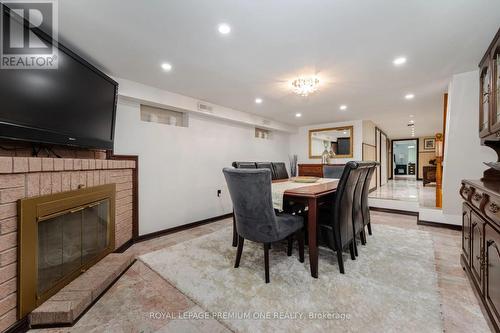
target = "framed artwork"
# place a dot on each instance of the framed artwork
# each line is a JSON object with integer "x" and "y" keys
{"x": 429, "y": 144}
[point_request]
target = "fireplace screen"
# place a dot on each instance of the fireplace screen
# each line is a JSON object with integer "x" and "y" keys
{"x": 60, "y": 236}
{"x": 69, "y": 241}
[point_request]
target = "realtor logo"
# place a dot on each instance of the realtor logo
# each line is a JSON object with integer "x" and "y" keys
{"x": 28, "y": 33}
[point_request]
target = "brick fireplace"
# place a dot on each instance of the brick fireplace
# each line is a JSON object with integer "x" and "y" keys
{"x": 28, "y": 177}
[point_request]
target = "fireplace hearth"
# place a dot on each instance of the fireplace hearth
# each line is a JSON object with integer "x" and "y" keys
{"x": 61, "y": 236}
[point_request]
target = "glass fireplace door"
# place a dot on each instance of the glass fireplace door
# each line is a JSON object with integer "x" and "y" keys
{"x": 69, "y": 241}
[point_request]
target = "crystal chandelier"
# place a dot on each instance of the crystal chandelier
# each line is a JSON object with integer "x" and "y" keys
{"x": 305, "y": 86}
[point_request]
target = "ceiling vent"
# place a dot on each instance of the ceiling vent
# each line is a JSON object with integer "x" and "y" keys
{"x": 205, "y": 107}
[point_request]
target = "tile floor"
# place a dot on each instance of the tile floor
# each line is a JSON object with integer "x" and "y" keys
{"x": 140, "y": 299}
{"x": 407, "y": 190}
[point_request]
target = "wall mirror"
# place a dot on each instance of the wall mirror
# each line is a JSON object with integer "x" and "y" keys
{"x": 337, "y": 140}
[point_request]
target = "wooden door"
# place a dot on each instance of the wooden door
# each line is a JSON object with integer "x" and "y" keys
{"x": 466, "y": 231}
{"x": 492, "y": 270}
{"x": 495, "y": 88}
{"x": 484, "y": 98}
{"x": 477, "y": 248}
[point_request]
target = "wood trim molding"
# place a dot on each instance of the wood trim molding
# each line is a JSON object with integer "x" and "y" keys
{"x": 419, "y": 221}
{"x": 167, "y": 231}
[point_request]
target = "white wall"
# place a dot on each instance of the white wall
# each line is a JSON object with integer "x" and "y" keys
{"x": 299, "y": 142}
{"x": 180, "y": 169}
{"x": 464, "y": 156}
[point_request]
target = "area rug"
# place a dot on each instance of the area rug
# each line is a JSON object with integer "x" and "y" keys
{"x": 391, "y": 287}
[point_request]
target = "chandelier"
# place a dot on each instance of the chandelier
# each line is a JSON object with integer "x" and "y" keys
{"x": 305, "y": 86}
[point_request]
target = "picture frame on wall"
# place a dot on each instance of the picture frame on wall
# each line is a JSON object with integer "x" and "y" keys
{"x": 429, "y": 144}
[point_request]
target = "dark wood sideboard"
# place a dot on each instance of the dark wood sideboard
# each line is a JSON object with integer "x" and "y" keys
{"x": 480, "y": 256}
{"x": 481, "y": 243}
{"x": 318, "y": 170}
{"x": 429, "y": 173}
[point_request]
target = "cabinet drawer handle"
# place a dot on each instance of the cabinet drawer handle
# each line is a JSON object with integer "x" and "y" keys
{"x": 493, "y": 207}
{"x": 477, "y": 197}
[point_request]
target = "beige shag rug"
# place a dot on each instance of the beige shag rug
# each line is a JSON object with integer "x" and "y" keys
{"x": 391, "y": 287}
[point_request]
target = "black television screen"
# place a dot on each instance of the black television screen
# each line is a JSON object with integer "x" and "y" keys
{"x": 74, "y": 104}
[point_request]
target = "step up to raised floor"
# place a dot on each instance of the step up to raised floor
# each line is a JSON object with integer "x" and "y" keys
{"x": 70, "y": 302}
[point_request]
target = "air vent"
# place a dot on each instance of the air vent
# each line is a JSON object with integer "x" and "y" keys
{"x": 204, "y": 107}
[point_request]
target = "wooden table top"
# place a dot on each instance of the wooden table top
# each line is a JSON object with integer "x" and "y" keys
{"x": 312, "y": 191}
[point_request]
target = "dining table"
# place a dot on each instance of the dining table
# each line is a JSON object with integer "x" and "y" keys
{"x": 310, "y": 195}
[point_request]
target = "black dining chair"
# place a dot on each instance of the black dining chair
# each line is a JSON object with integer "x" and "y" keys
{"x": 250, "y": 191}
{"x": 264, "y": 165}
{"x": 357, "y": 207}
{"x": 279, "y": 170}
{"x": 332, "y": 171}
{"x": 240, "y": 165}
{"x": 364, "y": 201}
{"x": 244, "y": 165}
{"x": 335, "y": 222}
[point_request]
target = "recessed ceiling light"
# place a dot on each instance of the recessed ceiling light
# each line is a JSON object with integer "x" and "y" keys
{"x": 399, "y": 61}
{"x": 224, "y": 28}
{"x": 409, "y": 96}
{"x": 166, "y": 67}
{"x": 258, "y": 100}
{"x": 298, "y": 115}
{"x": 343, "y": 107}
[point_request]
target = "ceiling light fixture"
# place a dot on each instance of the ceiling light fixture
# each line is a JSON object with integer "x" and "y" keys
{"x": 166, "y": 67}
{"x": 409, "y": 96}
{"x": 258, "y": 100}
{"x": 343, "y": 107}
{"x": 224, "y": 28}
{"x": 399, "y": 61}
{"x": 305, "y": 86}
{"x": 298, "y": 115}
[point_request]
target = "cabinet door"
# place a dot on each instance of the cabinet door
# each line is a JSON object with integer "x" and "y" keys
{"x": 466, "y": 231}
{"x": 484, "y": 99}
{"x": 477, "y": 248}
{"x": 495, "y": 88}
{"x": 492, "y": 270}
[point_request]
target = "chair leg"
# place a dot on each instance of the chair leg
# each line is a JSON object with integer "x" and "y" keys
{"x": 290, "y": 245}
{"x": 362, "y": 236}
{"x": 352, "y": 247}
{"x": 266, "y": 261}
{"x": 235, "y": 234}
{"x": 300, "y": 237}
{"x": 340, "y": 259}
{"x": 239, "y": 251}
{"x": 369, "y": 229}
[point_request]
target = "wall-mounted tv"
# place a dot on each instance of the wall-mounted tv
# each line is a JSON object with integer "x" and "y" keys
{"x": 74, "y": 104}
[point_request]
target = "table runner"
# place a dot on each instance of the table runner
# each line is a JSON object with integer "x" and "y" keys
{"x": 278, "y": 189}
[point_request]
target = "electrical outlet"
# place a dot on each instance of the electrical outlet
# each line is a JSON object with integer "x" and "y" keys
{"x": 219, "y": 192}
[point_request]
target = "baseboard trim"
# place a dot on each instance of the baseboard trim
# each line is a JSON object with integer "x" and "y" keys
{"x": 419, "y": 221}
{"x": 394, "y": 211}
{"x": 439, "y": 225}
{"x": 183, "y": 227}
{"x": 124, "y": 247}
{"x": 20, "y": 326}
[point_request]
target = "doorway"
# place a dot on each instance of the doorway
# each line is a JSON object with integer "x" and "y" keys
{"x": 404, "y": 159}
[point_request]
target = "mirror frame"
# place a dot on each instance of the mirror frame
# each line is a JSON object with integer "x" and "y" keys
{"x": 350, "y": 128}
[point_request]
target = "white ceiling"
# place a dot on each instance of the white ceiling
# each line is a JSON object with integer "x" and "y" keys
{"x": 348, "y": 44}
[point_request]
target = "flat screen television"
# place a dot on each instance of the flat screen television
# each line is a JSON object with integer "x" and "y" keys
{"x": 74, "y": 104}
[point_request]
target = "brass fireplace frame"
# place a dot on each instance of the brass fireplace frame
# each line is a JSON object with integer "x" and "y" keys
{"x": 31, "y": 211}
